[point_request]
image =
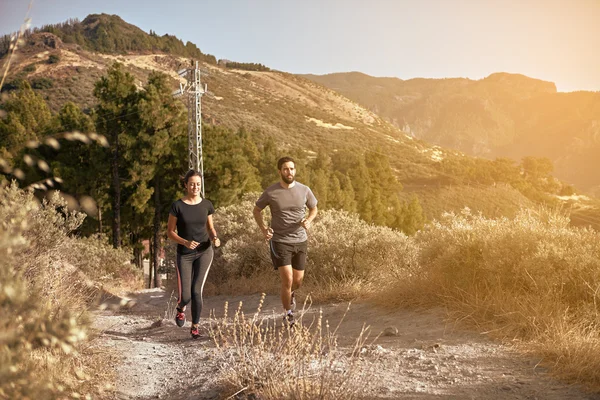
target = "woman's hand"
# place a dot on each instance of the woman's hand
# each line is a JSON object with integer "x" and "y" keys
{"x": 190, "y": 244}
{"x": 216, "y": 242}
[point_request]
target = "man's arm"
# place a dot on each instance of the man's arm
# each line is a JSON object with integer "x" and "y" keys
{"x": 266, "y": 231}
{"x": 312, "y": 213}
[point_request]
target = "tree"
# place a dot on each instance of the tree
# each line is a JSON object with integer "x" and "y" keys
{"x": 414, "y": 218}
{"x": 116, "y": 119}
{"x": 228, "y": 174}
{"x": 28, "y": 117}
{"x": 157, "y": 155}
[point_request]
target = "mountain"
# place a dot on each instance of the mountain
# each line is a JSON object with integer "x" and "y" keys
{"x": 63, "y": 61}
{"x": 502, "y": 115}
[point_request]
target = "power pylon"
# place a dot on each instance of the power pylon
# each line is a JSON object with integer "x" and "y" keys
{"x": 194, "y": 90}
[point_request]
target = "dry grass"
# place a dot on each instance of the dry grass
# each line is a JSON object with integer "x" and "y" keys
{"x": 45, "y": 350}
{"x": 264, "y": 359}
{"x": 532, "y": 280}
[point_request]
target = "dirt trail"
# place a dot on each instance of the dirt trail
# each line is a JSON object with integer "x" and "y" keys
{"x": 427, "y": 359}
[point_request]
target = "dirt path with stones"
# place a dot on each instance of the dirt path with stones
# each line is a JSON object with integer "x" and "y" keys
{"x": 426, "y": 359}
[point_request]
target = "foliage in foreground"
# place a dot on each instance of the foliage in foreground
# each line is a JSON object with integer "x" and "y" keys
{"x": 44, "y": 294}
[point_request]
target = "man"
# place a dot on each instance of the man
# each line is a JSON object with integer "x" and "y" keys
{"x": 287, "y": 235}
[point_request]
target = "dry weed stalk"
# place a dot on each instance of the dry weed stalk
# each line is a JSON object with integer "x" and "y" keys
{"x": 261, "y": 355}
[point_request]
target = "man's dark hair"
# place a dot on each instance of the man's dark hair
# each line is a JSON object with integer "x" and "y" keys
{"x": 283, "y": 160}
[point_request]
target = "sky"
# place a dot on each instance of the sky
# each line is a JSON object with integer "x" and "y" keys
{"x": 553, "y": 40}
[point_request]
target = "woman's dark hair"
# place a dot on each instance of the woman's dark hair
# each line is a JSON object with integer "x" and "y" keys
{"x": 188, "y": 175}
{"x": 283, "y": 160}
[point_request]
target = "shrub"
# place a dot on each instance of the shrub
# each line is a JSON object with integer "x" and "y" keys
{"x": 29, "y": 68}
{"x": 53, "y": 59}
{"x": 346, "y": 251}
{"x": 42, "y": 298}
{"x": 42, "y": 83}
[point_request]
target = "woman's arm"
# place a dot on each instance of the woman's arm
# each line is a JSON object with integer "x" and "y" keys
{"x": 210, "y": 227}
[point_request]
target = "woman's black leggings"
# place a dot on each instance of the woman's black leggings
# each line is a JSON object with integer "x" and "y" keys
{"x": 192, "y": 270}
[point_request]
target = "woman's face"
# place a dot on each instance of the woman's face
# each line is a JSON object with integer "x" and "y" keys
{"x": 193, "y": 185}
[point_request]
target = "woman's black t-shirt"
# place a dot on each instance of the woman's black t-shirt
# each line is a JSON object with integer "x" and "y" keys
{"x": 191, "y": 223}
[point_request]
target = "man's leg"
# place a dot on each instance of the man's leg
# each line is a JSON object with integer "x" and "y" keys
{"x": 298, "y": 276}
{"x": 298, "y": 265}
{"x": 286, "y": 275}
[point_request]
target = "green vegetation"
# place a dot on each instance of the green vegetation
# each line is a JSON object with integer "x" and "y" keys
{"x": 42, "y": 83}
{"x": 53, "y": 59}
{"x": 27, "y": 118}
{"x": 110, "y": 34}
{"x": 30, "y": 68}
{"x": 246, "y": 66}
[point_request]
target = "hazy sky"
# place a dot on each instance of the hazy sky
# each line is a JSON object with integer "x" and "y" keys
{"x": 554, "y": 40}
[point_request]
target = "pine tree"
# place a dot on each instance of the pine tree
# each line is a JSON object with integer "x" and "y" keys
{"x": 28, "y": 117}
{"x": 414, "y": 218}
{"x": 116, "y": 119}
{"x": 154, "y": 155}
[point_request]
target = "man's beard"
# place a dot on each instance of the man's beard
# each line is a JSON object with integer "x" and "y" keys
{"x": 287, "y": 180}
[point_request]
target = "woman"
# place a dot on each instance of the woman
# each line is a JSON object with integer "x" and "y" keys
{"x": 191, "y": 226}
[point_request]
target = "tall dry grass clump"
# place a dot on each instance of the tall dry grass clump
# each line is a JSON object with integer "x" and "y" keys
{"x": 347, "y": 257}
{"x": 531, "y": 278}
{"x": 43, "y": 297}
{"x": 261, "y": 357}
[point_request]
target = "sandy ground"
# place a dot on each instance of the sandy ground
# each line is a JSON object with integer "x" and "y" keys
{"x": 426, "y": 359}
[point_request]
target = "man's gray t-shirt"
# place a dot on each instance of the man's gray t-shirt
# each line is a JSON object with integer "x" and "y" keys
{"x": 287, "y": 210}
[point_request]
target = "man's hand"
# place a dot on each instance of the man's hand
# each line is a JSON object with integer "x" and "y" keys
{"x": 268, "y": 233}
{"x": 305, "y": 223}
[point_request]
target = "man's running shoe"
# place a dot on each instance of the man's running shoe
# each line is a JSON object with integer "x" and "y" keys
{"x": 289, "y": 319}
{"x": 195, "y": 332}
{"x": 180, "y": 317}
{"x": 293, "y": 305}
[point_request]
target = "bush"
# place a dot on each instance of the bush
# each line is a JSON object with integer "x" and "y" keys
{"x": 348, "y": 253}
{"x": 53, "y": 59}
{"x": 346, "y": 250}
{"x": 43, "y": 298}
{"x": 29, "y": 68}
{"x": 42, "y": 83}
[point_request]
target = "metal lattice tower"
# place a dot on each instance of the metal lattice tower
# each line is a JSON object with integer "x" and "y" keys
{"x": 194, "y": 91}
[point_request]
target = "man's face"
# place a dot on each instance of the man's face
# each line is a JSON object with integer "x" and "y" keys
{"x": 288, "y": 172}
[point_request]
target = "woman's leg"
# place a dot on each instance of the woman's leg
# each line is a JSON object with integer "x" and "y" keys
{"x": 200, "y": 267}
{"x": 184, "y": 279}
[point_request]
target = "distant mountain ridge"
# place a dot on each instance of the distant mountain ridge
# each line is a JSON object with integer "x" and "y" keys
{"x": 501, "y": 115}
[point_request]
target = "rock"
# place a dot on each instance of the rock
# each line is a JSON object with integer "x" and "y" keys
{"x": 157, "y": 323}
{"x": 390, "y": 331}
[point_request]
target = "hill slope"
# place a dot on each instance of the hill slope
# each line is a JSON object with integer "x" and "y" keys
{"x": 501, "y": 115}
